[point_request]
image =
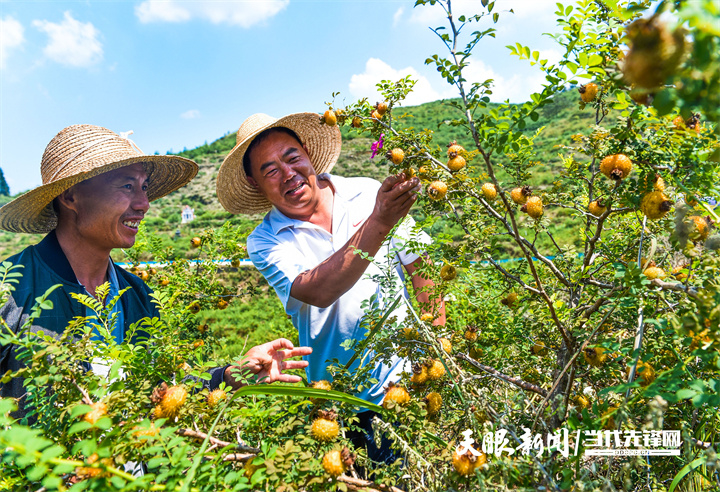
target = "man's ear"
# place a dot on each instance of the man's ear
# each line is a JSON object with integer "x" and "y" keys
{"x": 67, "y": 199}
{"x": 252, "y": 182}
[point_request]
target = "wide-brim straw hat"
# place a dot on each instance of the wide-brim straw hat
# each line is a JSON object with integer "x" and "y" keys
{"x": 80, "y": 152}
{"x": 322, "y": 142}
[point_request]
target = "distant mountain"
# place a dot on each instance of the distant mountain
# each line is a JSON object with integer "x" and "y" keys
{"x": 561, "y": 120}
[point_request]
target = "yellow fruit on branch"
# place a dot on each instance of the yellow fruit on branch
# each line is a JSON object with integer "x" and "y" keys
{"x": 456, "y": 162}
{"x": 329, "y": 118}
{"x": 465, "y": 464}
{"x": 700, "y": 228}
{"x": 588, "y": 92}
{"x": 99, "y": 410}
{"x": 437, "y": 190}
{"x": 194, "y": 307}
{"x": 336, "y": 462}
{"x": 533, "y": 207}
{"x": 396, "y": 394}
{"x": 539, "y": 348}
{"x": 595, "y": 356}
{"x": 454, "y": 148}
{"x": 510, "y": 300}
{"x": 396, "y": 155}
{"x": 597, "y": 208}
{"x": 222, "y": 304}
{"x": 448, "y": 272}
{"x": 435, "y": 369}
{"x": 654, "y": 272}
{"x": 471, "y": 332}
{"x": 655, "y": 52}
{"x": 215, "y": 397}
{"x": 325, "y": 428}
{"x": 195, "y": 242}
{"x": 427, "y": 317}
{"x": 376, "y": 115}
{"x": 433, "y": 403}
{"x": 655, "y": 205}
{"x": 446, "y": 345}
{"x": 356, "y": 122}
{"x": 520, "y": 195}
{"x": 381, "y": 107}
{"x": 173, "y": 400}
{"x": 644, "y": 373}
{"x": 420, "y": 374}
{"x": 616, "y": 166}
{"x": 489, "y": 191}
{"x": 582, "y": 401}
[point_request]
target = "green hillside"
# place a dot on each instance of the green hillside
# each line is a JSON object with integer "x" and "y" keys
{"x": 560, "y": 120}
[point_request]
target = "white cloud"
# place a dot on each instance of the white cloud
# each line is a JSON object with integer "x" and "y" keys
{"x": 243, "y": 14}
{"x": 72, "y": 42}
{"x": 363, "y": 85}
{"x": 396, "y": 17}
{"x": 516, "y": 88}
{"x": 189, "y": 115}
{"x": 11, "y": 36}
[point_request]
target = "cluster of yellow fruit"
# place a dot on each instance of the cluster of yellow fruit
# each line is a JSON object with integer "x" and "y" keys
{"x": 466, "y": 463}
{"x": 530, "y": 204}
{"x": 430, "y": 370}
{"x": 337, "y": 461}
{"x": 99, "y": 410}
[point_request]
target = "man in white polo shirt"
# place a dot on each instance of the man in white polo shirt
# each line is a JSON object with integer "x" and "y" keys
{"x": 306, "y": 245}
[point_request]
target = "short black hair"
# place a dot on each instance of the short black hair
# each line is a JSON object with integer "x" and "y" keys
{"x": 259, "y": 139}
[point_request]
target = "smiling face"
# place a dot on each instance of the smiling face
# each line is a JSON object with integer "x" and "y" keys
{"x": 108, "y": 208}
{"x": 281, "y": 170}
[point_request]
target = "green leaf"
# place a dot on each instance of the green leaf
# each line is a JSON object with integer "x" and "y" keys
{"x": 275, "y": 389}
{"x": 685, "y": 470}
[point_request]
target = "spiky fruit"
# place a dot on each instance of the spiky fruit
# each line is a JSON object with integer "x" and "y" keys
{"x": 321, "y": 385}
{"x": 510, "y": 300}
{"x": 437, "y": 190}
{"x": 330, "y": 118}
{"x": 654, "y": 272}
{"x": 424, "y": 171}
{"x": 203, "y": 327}
{"x": 446, "y": 345}
{"x": 198, "y": 343}
{"x": 433, "y": 402}
{"x": 654, "y": 52}
{"x": 215, "y": 397}
{"x": 456, "y": 162}
{"x": 520, "y": 195}
{"x": 678, "y": 273}
{"x": 222, "y": 304}
{"x": 616, "y": 166}
{"x": 173, "y": 400}
{"x": 420, "y": 375}
{"x": 356, "y": 122}
{"x": 144, "y": 275}
{"x": 409, "y": 173}
{"x": 597, "y": 208}
{"x": 195, "y": 242}
{"x": 655, "y": 205}
{"x": 489, "y": 191}
{"x": 448, "y": 272}
{"x": 376, "y": 115}
{"x": 194, "y": 307}
{"x": 679, "y": 122}
{"x": 700, "y": 228}
{"x": 595, "y": 356}
{"x": 427, "y": 317}
{"x": 411, "y": 333}
{"x": 644, "y": 373}
{"x": 396, "y": 155}
{"x": 158, "y": 412}
{"x": 539, "y": 348}
{"x": 533, "y": 207}
{"x": 164, "y": 281}
{"x": 588, "y": 92}
{"x": 454, "y": 148}
{"x": 435, "y": 369}
{"x": 396, "y": 394}
{"x": 332, "y": 463}
{"x": 99, "y": 410}
{"x": 325, "y": 428}
{"x": 465, "y": 464}
{"x": 235, "y": 263}
{"x": 381, "y": 107}
{"x": 336, "y": 462}
{"x": 471, "y": 333}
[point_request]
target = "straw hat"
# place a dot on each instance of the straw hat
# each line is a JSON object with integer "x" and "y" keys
{"x": 80, "y": 152}
{"x": 322, "y": 142}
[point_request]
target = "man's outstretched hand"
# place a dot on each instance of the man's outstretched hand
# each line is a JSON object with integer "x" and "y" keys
{"x": 267, "y": 362}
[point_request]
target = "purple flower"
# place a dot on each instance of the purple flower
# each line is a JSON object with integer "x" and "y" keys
{"x": 377, "y": 146}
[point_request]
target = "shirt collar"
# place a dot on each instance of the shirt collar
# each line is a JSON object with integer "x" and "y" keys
{"x": 343, "y": 190}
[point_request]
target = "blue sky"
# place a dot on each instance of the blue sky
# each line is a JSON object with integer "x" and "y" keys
{"x": 179, "y": 73}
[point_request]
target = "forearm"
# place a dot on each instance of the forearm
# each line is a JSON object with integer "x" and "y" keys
{"x": 324, "y": 284}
